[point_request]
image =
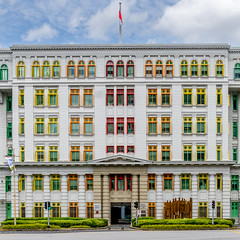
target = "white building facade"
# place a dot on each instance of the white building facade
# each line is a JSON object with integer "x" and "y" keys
{"x": 94, "y": 128}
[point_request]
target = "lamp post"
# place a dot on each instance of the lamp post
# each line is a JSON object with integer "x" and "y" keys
{"x": 14, "y": 187}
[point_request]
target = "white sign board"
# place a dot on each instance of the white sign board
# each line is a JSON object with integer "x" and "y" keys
{"x": 97, "y": 207}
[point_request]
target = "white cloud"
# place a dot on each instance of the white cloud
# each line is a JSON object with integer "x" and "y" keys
{"x": 202, "y": 21}
{"x": 38, "y": 34}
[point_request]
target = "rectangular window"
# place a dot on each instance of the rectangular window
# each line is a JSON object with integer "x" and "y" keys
{"x": 203, "y": 182}
{"x": 38, "y": 210}
{"x": 120, "y": 183}
{"x": 151, "y": 182}
{"x": 219, "y": 210}
{"x": 22, "y": 154}
{"x": 89, "y": 182}
{"x": 21, "y": 183}
{"x": 110, "y": 149}
{"x": 130, "y": 125}
{"x": 152, "y": 153}
{"x": 39, "y": 126}
{"x": 168, "y": 182}
{"x": 166, "y": 125}
{"x": 53, "y": 126}
{"x": 235, "y": 155}
{"x": 152, "y": 97}
{"x": 21, "y": 97}
{"x": 112, "y": 182}
{"x": 40, "y": 154}
{"x": 219, "y": 152}
{"x": 130, "y": 149}
{"x": 201, "y": 125}
{"x": 55, "y": 183}
{"x": 38, "y": 183}
{"x": 21, "y": 126}
{"x": 22, "y": 210}
{"x": 152, "y": 125}
{"x": 110, "y": 125}
{"x": 88, "y": 126}
{"x": 74, "y": 126}
{"x": 88, "y": 97}
{"x": 120, "y": 125}
{"x": 201, "y": 96}
{"x": 235, "y": 129}
{"x": 235, "y": 102}
{"x": 165, "y": 96}
{"x": 219, "y": 182}
{"x": 120, "y": 97}
{"x": 187, "y": 152}
{"x": 129, "y": 183}
{"x": 166, "y": 153}
{"x": 187, "y": 125}
{"x": 234, "y": 209}
{"x": 88, "y": 153}
{"x": 39, "y": 97}
{"x": 219, "y": 96}
{"x": 185, "y": 182}
{"x": 8, "y": 184}
{"x": 187, "y": 96}
{"x": 9, "y": 152}
{"x": 89, "y": 210}
{"x": 72, "y": 182}
{"x": 152, "y": 209}
{"x": 9, "y": 103}
{"x": 202, "y": 209}
{"x": 74, "y": 97}
{"x": 53, "y": 154}
{"x": 53, "y": 97}
{"x": 130, "y": 97}
{"x": 73, "y": 210}
{"x": 9, "y": 130}
{"x": 201, "y": 153}
{"x": 56, "y": 209}
{"x": 110, "y": 97}
{"x": 219, "y": 125}
{"x": 120, "y": 149}
{"x": 235, "y": 182}
{"x": 75, "y": 154}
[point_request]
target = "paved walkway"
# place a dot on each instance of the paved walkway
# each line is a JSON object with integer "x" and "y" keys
{"x": 121, "y": 227}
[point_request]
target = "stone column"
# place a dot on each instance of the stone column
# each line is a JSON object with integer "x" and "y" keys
{"x": 46, "y": 191}
{"x": 106, "y": 197}
{"x": 176, "y": 186}
{"x": 97, "y": 192}
{"x": 17, "y": 195}
{"x": 159, "y": 196}
{"x": 134, "y": 193}
{"x": 81, "y": 196}
{"x": 226, "y": 199}
{"x": 143, "y": 188}
{"x": 194, "y": 195}
{"x": 64, "y": 195}
{"x": 212, "y": 192}
{"x": 29, "y": 196}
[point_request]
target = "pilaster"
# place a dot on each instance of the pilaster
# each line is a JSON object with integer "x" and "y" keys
{"x": 29, "y": 196}
{"x": 159, "y": 196}
{"x": 226, "y": 198}
{"x": 194, "y": 195}
{"x": 81, "y": 196}
{"x": 64, "y": 196}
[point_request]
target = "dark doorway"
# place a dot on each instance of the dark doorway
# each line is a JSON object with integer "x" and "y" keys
{"x": 120, "y": 213}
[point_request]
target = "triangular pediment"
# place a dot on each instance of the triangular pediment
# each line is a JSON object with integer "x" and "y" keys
{"x": 120, "y": 160}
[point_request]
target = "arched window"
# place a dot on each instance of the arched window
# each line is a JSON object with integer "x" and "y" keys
{"x": 148, "y": 68}
{"x": 159, "y": 69}
{"x": 109, "y": 69}
{"x": 21, "y": 69}
{"x": 169, "y": 68}
{"x": 130, "y": 69}
{"x": 4, "y": 72}
{"x": 204, "y": 68}
{"x": 81, "y": 69}
{"x": 56, "y": 69}
{"x": 219, "y": 68}
{"x": 71, "y": 69}
{"x": 46, "y": 69}
{"x": 237, "y": 71}
{"x": 36, "y": 69}
{"x": 194, "y": 68}
{"x": 91, "y": 69}
{"x": 184, "y": 68}
{"x": 120, "y": 69}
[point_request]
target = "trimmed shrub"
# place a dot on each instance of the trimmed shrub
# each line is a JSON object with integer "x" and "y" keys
{"x": 80, "y": 226}
{"x": 25, "y": 226}
{"x": 183, "y": 227}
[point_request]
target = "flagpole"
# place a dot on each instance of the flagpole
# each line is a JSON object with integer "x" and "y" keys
{"x": 120, "y": 27}
{"x": 14, "y": 188}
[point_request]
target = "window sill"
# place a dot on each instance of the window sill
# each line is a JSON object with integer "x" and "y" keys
{"x": 219, "y": 134}
{"x": 201, "y": 134}
{"x": 36, "y": 78}
{"x": 85, "y": 106}
{"x": 91, "y": 77}
{"x": 152, "y": 134}
{"x": 109, "y": 77}
{"x": 152, "y": 105}
{"x": 201, "y": 105}
{"x": 161, "y": 76}
{"x": 39, "y": 106}
{"x": 74, "y": 134}
{"x": 166, "y": 105}
{"x": 187, "y": 105}
{"x": 130, "y": 77}
{"x": 56, "y": 77}
{"x": 53, "y": 106}
{"x": 219, "y": 105}
{"x": 88, "y": 135}
{"x": 53, "y": 134}
{"x": 120, "y": 77}
{"x": 39, "y": 134}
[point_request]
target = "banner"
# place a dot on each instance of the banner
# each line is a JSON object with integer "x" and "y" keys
{"x": 10, "y": 162}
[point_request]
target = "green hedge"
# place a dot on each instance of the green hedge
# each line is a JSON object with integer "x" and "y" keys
{"x": 25, "y": 226}
{"x": 183, "y": 227}
{"x": 80, "y": 226}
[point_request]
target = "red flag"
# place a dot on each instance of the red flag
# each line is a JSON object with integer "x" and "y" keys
{"x": 120, "y": 16}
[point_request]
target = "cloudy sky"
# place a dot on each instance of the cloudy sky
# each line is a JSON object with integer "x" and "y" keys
{"x": 96, "y": 21}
